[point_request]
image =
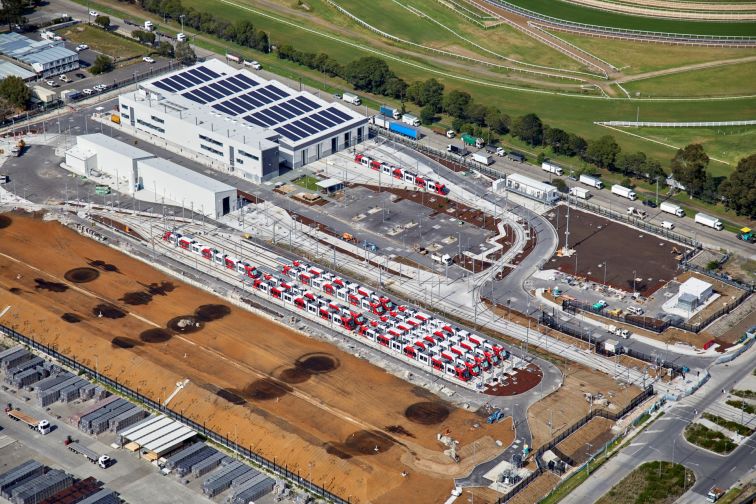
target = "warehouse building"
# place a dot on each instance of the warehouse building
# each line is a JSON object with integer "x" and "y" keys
{"x": 114, "y": 159}
{"x": 156, "y": 436}
{"x": 532, "y": 188}
{"x": 247, "y": 125}
{"x": 44, "y": 57}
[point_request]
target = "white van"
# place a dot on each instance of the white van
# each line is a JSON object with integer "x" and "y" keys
{"x": 635, "y": 310}
{"x": 668, "y": 225}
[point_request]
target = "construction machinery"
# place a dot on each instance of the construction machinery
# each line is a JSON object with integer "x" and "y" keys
{"x": 348, "y": 237}
{"x": 446, "y": 440}
{"x": 495, "y": 417}
{"x": 747, "y": 235}
{"x": 18, "y": 149}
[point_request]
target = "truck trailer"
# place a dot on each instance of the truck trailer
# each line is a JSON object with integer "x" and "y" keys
{"x": 456, "y": 149}
{"x": 672, "y": 208}
{"x": 552, "y": 168}
{"x": 410, "y": 119}
{"x": 625, "y": 192}
{"x": 103, "y": 461}
{"x": 591, "y": 181}
{"x": 390, "y": 112}
{"x": 473, "y": 141}
{"x": 404, "y": 130}
{"x": 709, "y": 221}
{"x": 482, "y": 158}
{"x": 41, "y": 426}
{"x": 580, "y": 192}
{"x": 381, "y": 121}
{"x": 351, "y": 98}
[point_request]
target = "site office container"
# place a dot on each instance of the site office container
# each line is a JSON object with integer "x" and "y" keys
{"x": 342, "y": 294}
{"x": 492, "y": 357}
{"x": 386, "y": 169}
{"x": 315, "y": 272}
{"x": 396, "y": 345}
{"x": 483, "y": 360}
{"x": 318, "y": 283}
{"x": 409, "y": 177}
{"x": 312, "y": 308}
{"x": 477, "y": 362}
{"x": 472, "y": 367}
{"x": 423, "y": 357}
{"x": 185, "y": 242}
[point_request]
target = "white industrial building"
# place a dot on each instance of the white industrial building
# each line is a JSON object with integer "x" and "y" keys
{"x": 530, "y": 187}
{"x": 134, "y": 171}
{"x": 43, "y": 57}
{"x": 156, "y": 436}
{"x": 234, "y": 118}
{"x": 169, "y": 181}
{"x": 693, "y": 293}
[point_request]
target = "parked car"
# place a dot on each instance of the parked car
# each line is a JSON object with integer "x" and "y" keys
{"x": 100, "y": 87}
{"x": 93, "y": 13}
{"x": 64, "y": 78}
{"x": 649, "y": 203}
{"x": 51, "y": 83}
{"x": 147, "y": 59}
{"x": 599, "y": 305}
{"x": 81, "y": 47}
{"x": 81, "y": 75}
{"x": 87, "y": 91}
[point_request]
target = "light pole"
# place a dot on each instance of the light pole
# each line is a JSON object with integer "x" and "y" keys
{"x": 181, "y": 17}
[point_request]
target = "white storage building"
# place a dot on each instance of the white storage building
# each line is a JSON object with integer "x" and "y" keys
{"x": 532, "y": 188}
{"x": 693, "y": 293}
{"x": 240, "y": 122}
{"x": 174, "y": 183}
{"x": 111, "y": 157}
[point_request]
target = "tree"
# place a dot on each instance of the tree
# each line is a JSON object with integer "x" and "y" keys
{"x": 631, "y": 164}
{"x": 739, "y": 190}
{"x": 102, "y": 21}
{"x": 368, "y": 73}
{"x": 395, "y": 87}
{"x": 496, "y": 121}
{"x": 602, "y": 152}
{"x": 541, "y": 158}
{"x": 143, "y": 36}
{"x": 185, "y": 54}
{"x": 577, "y": 145}
{"x": 560, "y": 184}
{"x": 432, "y": 93}
{"x": 427, "y": 114}
{"x": 102, "y": 64}
{"x": 689, "y": 168}
{"x": 529, "y": 129}
{"x": 12, "y": 11}
{"x": 15, "y": 92}
{"x": 558, "y": 139}
{"x": 456, "y": 102}
{"x": 165, "y": 49}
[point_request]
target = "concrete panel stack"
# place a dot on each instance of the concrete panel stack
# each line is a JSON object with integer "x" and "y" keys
{"x": 205, "y": 466}
{"x": 41, "y": 487}
{"x": 75, "y": 493}
{"x": 185, "y": 466}
{"x": 10, "y": 351}
{"x": 18, "y": 475}
{"x": 85, "y": 421}
{"x": 98, "y": 421}
{"x": 23, "y": 366}
{"x": 75, "y": 419}
{"x": 222, "y": 479}
{"x": 28, "y": 377}
{"x": 71, "y": 392}
{"x": 253, "y": 489}
{"x": 242, "y": 480}
{"x": 52, "y": 393}
{"x": 14, "y": 356}
{"x": 100, "y": 393}
{"x": 126, "y": 419}
{"x": 104, "y": 496}
{"x": 87, "y": 391}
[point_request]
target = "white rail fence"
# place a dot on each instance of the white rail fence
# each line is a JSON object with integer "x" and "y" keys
{"x": 702, "y": 124}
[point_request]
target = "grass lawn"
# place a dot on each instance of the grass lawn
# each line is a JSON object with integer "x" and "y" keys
{"x": 730, "y": 80}
{"x": 745, "y": 394}
{"x": 307, "y": 182}
{"x": 742, "y": 405}
{"x": 728, "y": 424}
{"x": 704, "y": 437}
{"x": 580, "y": 14}
{"x": 651, "y": 483}
{"x": 104, "y": 42}
{"x": 633, "y": 57}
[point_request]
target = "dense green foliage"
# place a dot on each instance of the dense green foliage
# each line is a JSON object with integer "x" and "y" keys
{"x": 15, "y": 92}
{"x": 102, "y": 21}
{"x": 739, "y": 191}
{"x": 102, "y": 64}
{"x": 185, "y": 54}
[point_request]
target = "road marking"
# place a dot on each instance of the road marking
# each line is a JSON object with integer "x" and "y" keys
{"x": 733, "y": 468}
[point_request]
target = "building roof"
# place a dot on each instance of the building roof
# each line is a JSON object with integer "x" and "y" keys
{"x": 531, "y": 182}
{"x": 8, "y": 69}
{"x": 189, "y": 176}
{"x": 329, "y": 183}
{"x": 31, "y": 51}
{"x": 687, "y": 298}
{"x": 158, "y": 434}
{"x": 249, "y": 108}
{"x": 106, "y": 142}
{"x": 695, "y": 287}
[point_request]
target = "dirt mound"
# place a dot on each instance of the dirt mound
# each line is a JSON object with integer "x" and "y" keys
{"x": 16, "y": 290}
{"x": 398, "y": 429}
{"x": 317, "y": 363}
{"x": 71, "y": 318}
{"x": 155, "y": 336}
{"x": 104, "y": 266}
{"x": 211, "y": 312}
{"x": 185, "y": 324}
{"x": 231, "y": 395}
{"x": 294, "y": 375}
{"x": 160, "y": 289}
{"x": 427, "y": 413}
{"x": 5, "y": 221}
{"x": 265, "y": 389}
{"x": 50, "y": 286}
{"x": 366, "y": 442}
{"x": 108, "y": 311}
{"x": 126, "y": 343}
{"x": 81, "y": 275}
{"x": 337, "y": 449}
{"x": 137, "y": 298}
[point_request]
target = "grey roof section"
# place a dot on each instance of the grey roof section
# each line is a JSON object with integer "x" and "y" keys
{"x": 33, "y": 51}
{"x": 8, "y": 69}
{"x": 116, "y": 145}
{"x": 190, "y": 176}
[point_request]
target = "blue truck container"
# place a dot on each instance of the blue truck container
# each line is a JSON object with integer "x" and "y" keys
{"x": 405, "y": 130}
{"x": 390, "y": 112}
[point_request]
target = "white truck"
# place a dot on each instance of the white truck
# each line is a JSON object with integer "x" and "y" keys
{"x": 445, "y": 259}
{"x": 41, "y": 426}
{"x": 148, "y": 26}
{"x": 181, "y": 37}
{"x": 591, "y": 181}
{"x": 715, "y": 493}
{"x": 580, "y": 192}
{"x": 625, "y": 192}
{"x": 351, "y": 98}
{"x": 381, "y": 121}
{"x": 552, "y": 168}
{"x": 103, "y": 461}
{"x": 672, "y": 208}
{"x": 410, "y": 119}
{"x": 482, "y": 158}
{"x": 709, "y": 221}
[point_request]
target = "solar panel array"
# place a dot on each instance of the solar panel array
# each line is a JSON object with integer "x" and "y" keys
{"x": 313, "y": 124}
{"x": 186, "y": 79}
{"x": 282, "y": 112}
{"x": 256, "y": 98}
{"x": 220, "y": 89}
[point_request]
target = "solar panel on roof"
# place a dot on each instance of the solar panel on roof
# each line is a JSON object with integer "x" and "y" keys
{"x": 212, "y": 92}
{"x": 184, "y": 82}
{"x": 219, "y": 89}
{"x": 163, "y": 86}
{"x": 203, "y": 95}
{"x": 174, "y": 84}
{"x": 261, "y": 97}
{"x": 255, "y": 121}
{"x": 330, "y": 121}
{"x": 246, "y": 80}
{"x": 220, "y": 107}
{"x": 287, "y": 133}
{"x": 280, "y": 92}
{"x": 229, "y": 84}
{"x": 301, "y": 133}
{"x": 209, "y": 73}
{"x": 309, "y": 102}
{"x": 190, "y": 77}
{"x": 305, "y": 127}
{"x": 239, "y": 103}
{"x": 339, "y": 113}
{"x": 328, "y": 113}
{"x": 267, "y": 92}
{"x": 279, "y": 118}
{"x": 194, "y": 97}
{"x": 286, "y": 106}
{"x": 301, "y": 104}
{"x": 238, "y": 82}
{"x": 250, "y": 97}
{"x": 249, "y": 103}
{"x": 268, "y": 119}
{"x": 283, "y": 112}
{"x": 197, "y": 75}
{"x": 308, "y": 121}
{"x": 237, "y": 110}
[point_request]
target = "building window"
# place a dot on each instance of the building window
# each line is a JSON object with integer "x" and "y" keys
{"x": 157, "y": 119}
{"x": 151, "y": 126}
{"x": 240, "y": 161}
{"x": 211, "y": 140}
{"x": 124, "y": 106}
{"x": 210, "y": 149}
{"x": 247, "y": 154}
{"x": 124, "y": 115}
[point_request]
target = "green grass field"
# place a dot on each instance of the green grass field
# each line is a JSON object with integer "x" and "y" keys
{"x": 712, "y": 440}
{"x": 102, "y": 41}
{"x": 651, "y": 483}
{"x": 730, "y": 80}
{"x": 633, "y": 57}
{"x": 307, "y": 182}
{"x": 580, "y": 14}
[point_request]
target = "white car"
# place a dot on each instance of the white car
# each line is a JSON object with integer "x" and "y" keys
{"x": 100, "y": 87}
{"x": 148, "y": 59}
{"x": 93, "y": 13}
{"x": 87, "y": 91}
{"x": 256, "y": 66}
{"x": 81, "y": 47}
{"x": 51, "y": 83}
{"x": 64, "y": 78}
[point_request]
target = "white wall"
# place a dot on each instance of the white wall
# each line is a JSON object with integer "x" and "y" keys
{"x": 114, "y": 162}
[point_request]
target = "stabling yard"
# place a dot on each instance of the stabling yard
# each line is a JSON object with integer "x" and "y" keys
{"x": 104, "y": 42}
{"x": 332, "y": 419}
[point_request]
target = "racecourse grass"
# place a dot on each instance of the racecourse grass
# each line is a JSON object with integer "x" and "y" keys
{"x": 729, "y": 80}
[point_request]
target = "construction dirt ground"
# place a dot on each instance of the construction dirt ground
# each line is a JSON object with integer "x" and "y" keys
{"x": 338, "y": 420}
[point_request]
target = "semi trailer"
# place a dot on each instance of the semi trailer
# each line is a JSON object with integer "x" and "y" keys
{"x": 709, "y": 221}
{"x": 672, "y": 208}
{"x": 624, "y": 192}
{"x": 591, "y": 181}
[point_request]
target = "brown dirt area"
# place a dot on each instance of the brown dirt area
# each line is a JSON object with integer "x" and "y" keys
{"x": 596, "y": 432}
{"x": 537, "y": 489}
{"x": 313, "y": 407}
{"x": 568, "y": 404}
{"x": 727, "y": 294}
{"x": 597, "y": 240}
{"x": 482, "y": 495}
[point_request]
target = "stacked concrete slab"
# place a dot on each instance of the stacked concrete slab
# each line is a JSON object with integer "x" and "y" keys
{"x": 223, "y": 478}
{"x": 104, "y": 496}
{"x": 19, "y": 475}
{"x": 253, "y": 489}
{"x": 126, "y": 419}
{"x": 75, "y": 419}
{"x": 205, "y": 466}
{"x": 14, "y": 356}
{"x": 26, "y": 378}
{"x": 98, "y": 421}
{"x": 41, "y": 487}
{"x": 64, "y": 387}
